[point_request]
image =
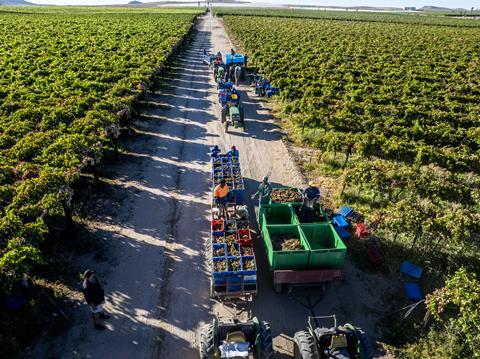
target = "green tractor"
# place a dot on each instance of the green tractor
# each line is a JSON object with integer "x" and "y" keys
{"x": 233, "y": 116}
{"x": 236, "y": 339}
{"x": 339, "y": 342}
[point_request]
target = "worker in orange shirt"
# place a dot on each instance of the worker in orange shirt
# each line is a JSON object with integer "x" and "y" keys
{"x": 220, "y": 194}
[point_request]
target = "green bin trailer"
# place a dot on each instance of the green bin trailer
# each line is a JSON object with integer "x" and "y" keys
{"x": 322, "y": 254}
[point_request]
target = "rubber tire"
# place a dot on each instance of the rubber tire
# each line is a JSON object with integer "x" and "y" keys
{"x": 278, "y": 288}
{"x": 207, "y": 342}
{"x": 304, "y": 346}
{"x": 266, "y": 344}
{"x": 242, "y": 117}
{"x": 364, "y": 344}
{"x": 226, "y": 126}
{"x": 223, "y": 115}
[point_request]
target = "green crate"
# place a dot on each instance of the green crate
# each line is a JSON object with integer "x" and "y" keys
{"x": 327, "y": 248}
{"x": 277, "y": 188}
{"x": 277, "y": 214}
{"x": 285, "y": 259}
{"x": 319, "y": 212}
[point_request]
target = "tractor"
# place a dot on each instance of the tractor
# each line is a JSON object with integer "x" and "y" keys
{"x": 234, "y": 117}
{"x": 236, "y": 339}
{"x": 339, "y": 342}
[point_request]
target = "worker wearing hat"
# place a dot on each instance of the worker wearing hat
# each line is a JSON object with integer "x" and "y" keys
{"x": 264, "y": 192}
{"x": 220, "y": 196}
{"x": 233, "y": 152}
{"x": 95, "y": 298}
{"x": 310, "y": 195}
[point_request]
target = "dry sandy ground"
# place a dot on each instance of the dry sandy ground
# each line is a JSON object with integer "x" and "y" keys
{"x": 157, "y": 273}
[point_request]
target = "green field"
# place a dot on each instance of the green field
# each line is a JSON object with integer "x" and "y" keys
{"x": 391, "y": 105}
{"x": 65, "y": 76}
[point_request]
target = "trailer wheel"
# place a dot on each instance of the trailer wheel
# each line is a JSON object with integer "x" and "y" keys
{"x": 304, "y": 346}
{"x": 266, "y": 345}
{"x": 207, "y": 342}
{"x": 278, "y": 287}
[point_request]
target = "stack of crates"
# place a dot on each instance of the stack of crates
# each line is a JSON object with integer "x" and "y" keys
{"x": 234, "y": 268}
{"x": 321, "y": 245}
{"x": 228, "y": 168}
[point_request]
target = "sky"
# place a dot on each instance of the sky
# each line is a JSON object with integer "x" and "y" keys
{"x": 395, "y": 3}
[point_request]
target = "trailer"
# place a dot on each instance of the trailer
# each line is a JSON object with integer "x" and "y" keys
{"x": 319, "y": 253}
{"x": 233, "y": 263}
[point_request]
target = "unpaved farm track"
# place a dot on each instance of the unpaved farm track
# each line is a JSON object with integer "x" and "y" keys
{"x": 157, "y": 279}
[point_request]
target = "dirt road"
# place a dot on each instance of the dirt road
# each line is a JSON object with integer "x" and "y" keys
{"x": 157, "y": 275}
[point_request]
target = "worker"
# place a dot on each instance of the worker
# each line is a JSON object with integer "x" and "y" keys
{"x": 220, "y": 73}
{"x": 220, "y": 196}
{"x": 264, "y": 192}
{"x": 234, "y": 96}
{"x": 233, "y": 152}
{"x": 310, "y": 195}
{"x": 237, "y": 74}
{"x": 241, "y": 213}
{"x": 232, "y": 51}
{"x": 231, "y": 75}
{"x": 214, "y": 151}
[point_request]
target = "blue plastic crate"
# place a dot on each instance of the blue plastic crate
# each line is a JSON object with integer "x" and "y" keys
{"x": 236, "y": 196}
{"x": 217, "y": 275}
{"x": 411, "y": 270}
{"x": 412, "y": 291}
{"x": 218, "y": 234}
{"x": 249, "y": 272}
{"x": 343, "y": 233}
{"x": 340, "y": 221}
{"x": 216, "y": 246}
{"x": 345, "y": 211}
{"x": 237, "y": 247}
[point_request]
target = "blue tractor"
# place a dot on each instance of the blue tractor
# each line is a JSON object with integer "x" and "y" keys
{"x": 231, "y": 61}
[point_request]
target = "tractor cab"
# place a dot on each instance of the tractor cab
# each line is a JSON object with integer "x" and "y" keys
{"x": 324, "y": 342}
{"x": 236, "y": 339}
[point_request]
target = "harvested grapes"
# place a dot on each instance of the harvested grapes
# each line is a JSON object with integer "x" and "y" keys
{"x": 220, "y": 266}
{"x": 286, "y": 242}
{"x": 283, "y": 195}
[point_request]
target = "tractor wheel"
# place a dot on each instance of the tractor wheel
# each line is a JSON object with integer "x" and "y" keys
{"x": 278, "y": 287}
{"x": 266, "y": 345}
{"x": 224, "y": 115}
{"x": 366, "y": 350}
{"x": 242, "y": 117}
{"x": 226, "y": 126}
{"x": 304, "y": 346}
{"x": 207, "y": 342}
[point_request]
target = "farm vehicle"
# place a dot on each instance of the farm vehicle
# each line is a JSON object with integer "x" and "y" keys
{"x": 236, "y": 339}
{"x": 230, "y": 108}
{"x": 324, "y": 342}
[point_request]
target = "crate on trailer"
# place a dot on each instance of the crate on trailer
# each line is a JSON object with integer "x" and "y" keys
{"x": 288, "y": 259}
{"x": 218, "y": 237}
{"x": 217, "y": 225}
{"x": 327, "y": 250}
{"x": 233, "y": 250}
{"x": 230, "y": 225}
{"x": 219, "y": 250}
{"x": 244, "y": 236}
{"x": 246, "y": 250}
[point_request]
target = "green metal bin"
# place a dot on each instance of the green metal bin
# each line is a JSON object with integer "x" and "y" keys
{"x": 319, "y": 213}
{"x": 285, "y": 259}
{"x": 277, "y": 214}
{"x": 327, "y": 249}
